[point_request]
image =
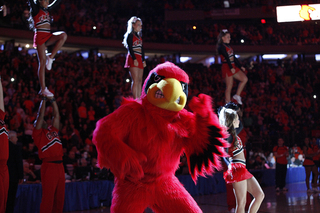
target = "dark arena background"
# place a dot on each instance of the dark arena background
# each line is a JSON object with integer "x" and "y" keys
{"x": 88, "y": 80}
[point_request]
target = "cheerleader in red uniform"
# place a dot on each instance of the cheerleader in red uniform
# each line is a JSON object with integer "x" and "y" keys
{"x": 135, "y": 58}
{"x": 230, "y": 67}
{"x": 4, "y": 149}
{"x": 44, "y": 38}
{"x": 47, "y": 140}
{"x": 237, "y": 174}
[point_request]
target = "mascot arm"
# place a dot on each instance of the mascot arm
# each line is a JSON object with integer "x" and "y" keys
{"x": 206, "y": 144}
{"x": 113, "y": 152}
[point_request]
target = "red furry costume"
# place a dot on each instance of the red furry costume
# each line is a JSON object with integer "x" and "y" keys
{"x": 141, "y": 142}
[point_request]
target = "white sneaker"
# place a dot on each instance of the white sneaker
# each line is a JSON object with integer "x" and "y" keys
{"x": 46, "y": 92}
{"x": 238, "y": 99}
{"x": 49, "y": 63}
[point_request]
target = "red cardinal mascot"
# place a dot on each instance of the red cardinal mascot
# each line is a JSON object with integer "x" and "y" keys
{"x": 142, "y": 141}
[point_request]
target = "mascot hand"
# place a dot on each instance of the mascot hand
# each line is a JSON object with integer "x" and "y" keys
{"x": 201, "y": 105}
{"x": 132, "y": 168}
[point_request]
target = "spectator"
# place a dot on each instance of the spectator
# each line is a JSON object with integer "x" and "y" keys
{"x": 94, "y": 169}
{"x": 71, "y": 158}
{"x": 82, "y": 171}
{"x": 297, "y": 155}
{"x": 316, "y": 158}
{"x": 29, "y": 151}
{"x": 15, "y": 167}
{"x": 28, "y": 175}
{"x": 28, "y": 129}
{"x": 309, "y": 165}
{"x": 82, "y": 112}
{"x": 91, "y": 115}
{"x": 281, "y": 152}
{"x": 84, "y": 132}
{"x": 183, "y": 167}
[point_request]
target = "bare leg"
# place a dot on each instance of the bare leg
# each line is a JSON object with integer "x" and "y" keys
{"x": 315, "y": 174}
{"x": 240, "y": 76}
{"x": 58, "y": 40}
{"x": 229, "y": 84}
{"x": 41, "y": 50}
{"x": 240, "y": 191}
{"x": 255, "y": 190}
{"x": 136, "y": 75}
{"x": 308, "y": 172}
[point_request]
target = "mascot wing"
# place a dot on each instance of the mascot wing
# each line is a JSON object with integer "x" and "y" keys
{"x": 204, "y": 162}
{"x": 208, "y": 143}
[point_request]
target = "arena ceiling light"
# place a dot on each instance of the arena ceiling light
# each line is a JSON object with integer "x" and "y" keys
{"x": 185, "y": 59}
{"x": 274, "y": 56}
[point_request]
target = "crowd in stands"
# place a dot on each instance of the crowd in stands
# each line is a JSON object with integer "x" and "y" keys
{"x": 107, "y": 19}
{"x": 278, "y": 101}
{"x": 278, "y": 98}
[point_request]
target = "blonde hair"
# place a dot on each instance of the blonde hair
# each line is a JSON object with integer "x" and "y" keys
{"x": 131, "y": 21}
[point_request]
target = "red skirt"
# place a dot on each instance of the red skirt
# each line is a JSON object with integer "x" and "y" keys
{"x": 237, "y": 172}
{"x": 129, "y": 61}
{"x": 40, "y": 38}
{"x": 226, "y": 70}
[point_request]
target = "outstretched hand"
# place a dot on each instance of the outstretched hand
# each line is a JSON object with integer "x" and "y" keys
{"x": 201, "y": 105}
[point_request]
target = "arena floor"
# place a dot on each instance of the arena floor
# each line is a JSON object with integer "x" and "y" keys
{"x": 296, "y": 200}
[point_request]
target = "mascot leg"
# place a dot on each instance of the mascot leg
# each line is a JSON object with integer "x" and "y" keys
{"x": 172, "y": 197}
{"x": 128, "y": 197}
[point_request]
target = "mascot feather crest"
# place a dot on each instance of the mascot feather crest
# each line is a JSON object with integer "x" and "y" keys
{"x": 142, "y": 141}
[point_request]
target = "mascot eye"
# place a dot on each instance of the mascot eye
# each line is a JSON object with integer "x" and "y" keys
{"x": 157, "y": 78}
{"x": 154, "y": 78}
{"x": 184, "y": 87}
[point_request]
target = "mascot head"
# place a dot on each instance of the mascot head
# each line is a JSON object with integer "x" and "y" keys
{"x": 166, "y": 87}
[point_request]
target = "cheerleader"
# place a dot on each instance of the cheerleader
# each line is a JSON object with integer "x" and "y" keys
{"x": 3, "y": 8}
{"x": 44, "y": 38}
{"x": 4, "y": 147}
{"x": 237, "y": 174}
{"x": 135, "y": 58}
{"x": 230, "y": 67}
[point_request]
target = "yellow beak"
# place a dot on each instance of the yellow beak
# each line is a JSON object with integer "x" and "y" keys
{"x": 167, "y": 94}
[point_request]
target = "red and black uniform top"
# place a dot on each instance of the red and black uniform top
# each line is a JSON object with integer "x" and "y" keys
{"x": 237, "y": 149}
{"x": 48, "y": 143}
{"x": 234, "y": 151}
{"x": 4, "y": 144}
{"x": 227, "y": 56}
{"x": 134, "y": 42}
{"x": 41, "y": 15}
